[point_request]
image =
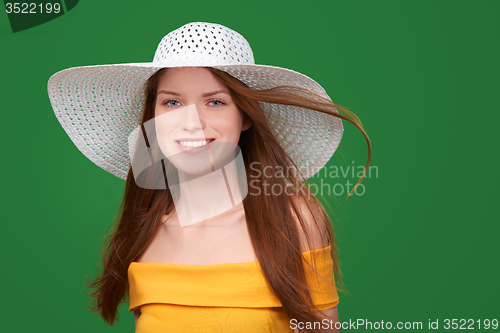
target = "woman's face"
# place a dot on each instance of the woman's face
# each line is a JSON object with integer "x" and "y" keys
{"x": 193, "y": 111}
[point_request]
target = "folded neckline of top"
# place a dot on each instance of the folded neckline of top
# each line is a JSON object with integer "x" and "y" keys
{"x": 213, "y": 265}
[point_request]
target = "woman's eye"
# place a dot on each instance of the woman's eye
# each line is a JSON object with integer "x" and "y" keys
{"x": 216, "y": 102}
{"x": 171, "y": 102}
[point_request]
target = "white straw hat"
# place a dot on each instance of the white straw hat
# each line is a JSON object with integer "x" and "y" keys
{"x": 100, "y": 106}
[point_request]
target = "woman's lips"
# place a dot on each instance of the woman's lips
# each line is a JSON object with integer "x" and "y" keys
{"x": 193, "y": 150}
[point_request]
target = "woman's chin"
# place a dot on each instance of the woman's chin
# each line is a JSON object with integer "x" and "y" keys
{"x": 190, "y": 167}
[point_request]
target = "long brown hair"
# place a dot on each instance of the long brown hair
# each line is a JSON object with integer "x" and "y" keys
{"x": 271, "y": 219}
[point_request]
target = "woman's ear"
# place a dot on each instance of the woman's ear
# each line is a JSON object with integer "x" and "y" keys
{"x": 247, "y": 122}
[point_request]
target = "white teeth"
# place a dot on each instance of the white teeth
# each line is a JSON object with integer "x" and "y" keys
{"x": 193, "y": 144}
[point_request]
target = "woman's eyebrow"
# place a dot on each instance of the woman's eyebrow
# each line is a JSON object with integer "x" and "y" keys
{"x": 215, "y": 93}
{"x": 168, "y": 92}
{"x": 203, "y": 95}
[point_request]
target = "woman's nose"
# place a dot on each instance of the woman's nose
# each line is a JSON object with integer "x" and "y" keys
{"x": 191, "y": 120}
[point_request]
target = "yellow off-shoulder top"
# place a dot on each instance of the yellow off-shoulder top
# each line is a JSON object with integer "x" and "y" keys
{"x": 231, "y": 297}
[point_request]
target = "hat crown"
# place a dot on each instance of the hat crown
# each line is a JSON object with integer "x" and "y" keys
{"x": 203, "y": 44}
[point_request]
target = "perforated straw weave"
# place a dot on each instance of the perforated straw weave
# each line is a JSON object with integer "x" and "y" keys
{"x": 99, "y": 106}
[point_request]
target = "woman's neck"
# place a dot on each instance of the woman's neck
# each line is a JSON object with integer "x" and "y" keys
{"x": 213, "y": 194}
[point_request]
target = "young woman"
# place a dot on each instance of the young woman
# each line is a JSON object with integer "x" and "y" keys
{"x": 217, "y": 231}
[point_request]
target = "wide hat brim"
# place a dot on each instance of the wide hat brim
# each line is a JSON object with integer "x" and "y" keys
{"x": 100, "y": 106}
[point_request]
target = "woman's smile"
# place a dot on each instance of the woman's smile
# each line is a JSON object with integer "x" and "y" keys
{"x": 193, "y": 146}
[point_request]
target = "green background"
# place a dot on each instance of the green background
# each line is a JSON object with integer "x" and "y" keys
{"x": 421, "y": 243}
